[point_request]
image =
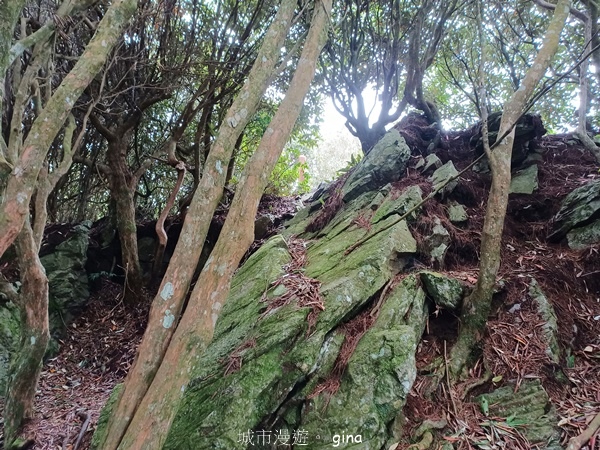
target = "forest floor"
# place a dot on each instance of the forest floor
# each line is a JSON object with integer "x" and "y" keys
{"x": 99, "y": 347}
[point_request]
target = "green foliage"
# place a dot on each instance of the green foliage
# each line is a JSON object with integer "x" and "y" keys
{"x": 190, "y": 46}
{"x": 355, "y": 158}
{"x": 513, "y": 35}
{"x": 284, "y": 179}
{"x": 103, "y": 274}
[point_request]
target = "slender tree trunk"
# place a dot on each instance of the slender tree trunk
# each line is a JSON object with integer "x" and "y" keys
{"x": 172, "y": 292}
{"x": 153, "y": 417}
{"x": 9, "y": 14}
{"x": 123, "y": 194}
{"x": 32, "y": 301}
{"x": 477, "y": 306}
{"x": 582, "y": 133}
{"x": 160, "y": 223}
{"x": 14, "y": 206}
{"x": 33, "y": 306}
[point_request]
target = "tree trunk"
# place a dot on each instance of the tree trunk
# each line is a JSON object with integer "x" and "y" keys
{"x": 9, "y": 14}
{"x": 581, "y": 132}
{"x": 153, "y": 417}
{"x": 21, "y": 181}
{"x": 33, "y": 306}
{"x": 122, "y": 193}
{"x": 167, "y": 305}
{"x": 477, "y": 306}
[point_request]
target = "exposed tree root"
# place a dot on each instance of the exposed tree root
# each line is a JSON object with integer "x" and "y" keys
{"x": 424, "y": 443}
{"x": 424, "y": 432}
{"x": 579, "y": 441}
{"x": 487, "y": 376}
{"x": 588, "y": 143}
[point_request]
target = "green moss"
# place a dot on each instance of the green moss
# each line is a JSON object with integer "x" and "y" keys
{"x": 98, "y": 436}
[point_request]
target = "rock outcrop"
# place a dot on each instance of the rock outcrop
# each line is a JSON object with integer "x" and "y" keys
{"x": 579, "y": 217}
{"x": 341, "y": 372}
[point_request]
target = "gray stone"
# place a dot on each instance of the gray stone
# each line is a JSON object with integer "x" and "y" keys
{"x": 529, "y": 405}
{"x": 457, "y": 213}
{"x": 384, "y": 164}
{"x": 431, "y": 162}
{"x": 550, "y": 327}
{"x": 443, "y": 174}
{"x": 67, "y": 279}
{"x": 585, "y": 236}
{"x": 524, "y": 181}
{"x": 578, "y": 209}
{"x": 262, "y": 225}
{"x": 444, "y": 291}
{"x": 420, "y": 162}
{"x": 437, "y": 243}
{"x": 377, "y": 201}
{"x": 408, "y": 199}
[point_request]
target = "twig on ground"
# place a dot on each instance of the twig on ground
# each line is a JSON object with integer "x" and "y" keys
{"x": 86, "y": 417}
{"x": 577, "y": 442}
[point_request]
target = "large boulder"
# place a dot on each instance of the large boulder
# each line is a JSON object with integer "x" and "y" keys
{"x": 67, "y": 278}
{"x": 579, "y": 217}
{"x": 384, "y": 164}
{"x": 265, "y": 369}
{"x": 529, "y": 128}
{"x": 524, "y": 181}
{"x": 377, "y": 381}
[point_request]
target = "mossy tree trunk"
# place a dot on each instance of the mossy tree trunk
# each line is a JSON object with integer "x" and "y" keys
{"x": 168, "y": 303}
{"x": 477, "y": 306}
{"x": 33, "y": 307}
{"x": 155, "y": 413}
{"x": 581, "y": 132}
{"x": 9, "y": 14}
{"x": 32, "y": 301}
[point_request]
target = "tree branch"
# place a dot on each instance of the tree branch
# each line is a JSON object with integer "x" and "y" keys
{"x": 574, "y": 11}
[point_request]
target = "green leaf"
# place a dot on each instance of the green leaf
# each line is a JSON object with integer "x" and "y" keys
{"x": 483, "y": 403}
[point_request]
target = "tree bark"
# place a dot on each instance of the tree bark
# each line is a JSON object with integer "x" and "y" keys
{"x": 33, "y": 307}
{"x": 477, "y": 306}
{"x": 581, "y": 132}
{"x": 179, "y": 166}
{"x": 9, "y": 14}
{"x": 21, "y": 181}
{"x": 32, "y": 301}
{"x": 153, "y": 417}
{"x": 122, "y": 192}
{"x": 167, "y": 305}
